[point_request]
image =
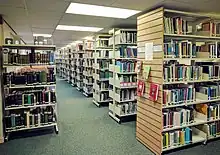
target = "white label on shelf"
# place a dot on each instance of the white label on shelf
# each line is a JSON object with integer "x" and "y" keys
{"x": 149, "y": 51}
{"x": 158, "y": 48}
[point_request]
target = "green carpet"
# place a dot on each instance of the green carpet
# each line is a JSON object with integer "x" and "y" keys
{"x": 84, "y": 129}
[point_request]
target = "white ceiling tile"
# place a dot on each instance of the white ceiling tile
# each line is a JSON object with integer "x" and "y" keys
{"x": 136, "y": 4}
{"x": 12, "y": 3}
{"x": 95, "y": 2}
{"x": 44, "y": 15}
{"x": 42, "y": 30}
{"x": 47, "y": 5}
{"x": 50, "y": 24}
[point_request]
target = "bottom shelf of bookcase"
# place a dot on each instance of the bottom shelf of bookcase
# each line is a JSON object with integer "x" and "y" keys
{"x": 120, "y": 118}
{"x": 101, "y": 103}
{"x": 36, "y": 127}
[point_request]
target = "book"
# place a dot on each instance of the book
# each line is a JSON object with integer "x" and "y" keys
{"x": 154, "y": 90}
{"x": 147, "y": 72}
{"x": 140, "y": 88}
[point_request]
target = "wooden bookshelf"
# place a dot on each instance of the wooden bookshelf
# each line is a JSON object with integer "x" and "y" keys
{"x": 150, "y": 128}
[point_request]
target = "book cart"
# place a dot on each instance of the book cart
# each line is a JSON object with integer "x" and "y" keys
{"x": 184, "y": 56}
{"x": 88, "y": 67}
{"x": 123, "y": 78}
{"x": 29, "y": 100}
{"x": 101, "y": 70}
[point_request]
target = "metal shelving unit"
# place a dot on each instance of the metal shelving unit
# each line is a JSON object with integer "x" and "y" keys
{"x": 101, "y": 71}
{"x": 123, "y": 79}
{"x": 22, "y": 110}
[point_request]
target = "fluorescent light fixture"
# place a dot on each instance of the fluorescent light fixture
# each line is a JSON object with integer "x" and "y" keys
{"x": 88, "y": 38}
{"x": 103, "y": 11}
{"x": 78, "y": 28}
{"x": 43, "y": 35}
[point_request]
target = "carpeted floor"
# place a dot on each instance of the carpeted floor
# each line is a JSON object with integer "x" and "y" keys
{"x": 85, "y": 129}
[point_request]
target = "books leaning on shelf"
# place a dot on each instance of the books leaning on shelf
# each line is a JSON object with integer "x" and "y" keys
{"x": 127, "y": 94}
{"x": 125, "y": 108}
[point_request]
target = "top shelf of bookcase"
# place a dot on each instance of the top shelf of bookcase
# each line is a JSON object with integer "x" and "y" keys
{"x": 198, "y": 14}
{"x": 38, "y": 47}
{"x": 182, "y": 36}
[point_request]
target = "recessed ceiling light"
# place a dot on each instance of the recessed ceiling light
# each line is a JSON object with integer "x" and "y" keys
{"x": 43, "y": 35}
{"x": 103, "y": 11}
{"x": 78, "y": 28}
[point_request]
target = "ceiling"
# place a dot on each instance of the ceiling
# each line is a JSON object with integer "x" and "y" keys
{"x": 42, "y": 16}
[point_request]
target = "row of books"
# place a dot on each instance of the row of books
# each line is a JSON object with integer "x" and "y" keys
{"x": 128, "y": 52}
{"x": 104, "y": 74}
{"x": 179, "y": 95}
{"x": 127, "y": 94}
{"x": 103, "y": 64}
{"x": 103, "y": 53}
{"x": 15, "y": 57}
{"x": 209, "y": 111}
{"x": 127, "y": 108}
{"x": 88, "y": 80}
{"x": 210, "y": 91}
{"x": 104, "y": 96}
{"x": 127, "y": 78}
{"x": 28, "y": 78}
{"x": 127, "y": 37}
{"x": 180, "y": 49}
{"x": 30, "y": 98}
{"x": 179, "y": 72}
{"x": 177, "y": 117}
{"x": 28, "y": 119}
{"x": 126, "y": 66}
{"x": 209, "y": 28}
{"x": 88, "y": 62}
{"x": 104, "y": 85}
{"x": 176, "y": 25}
{"x": 102, "y": 43}
{"x": 177, "y": 137}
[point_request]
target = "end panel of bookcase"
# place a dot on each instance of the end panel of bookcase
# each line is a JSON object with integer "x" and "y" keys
{"x": 150, "y": 29}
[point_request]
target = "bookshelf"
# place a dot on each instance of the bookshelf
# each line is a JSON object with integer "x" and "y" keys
{"x": 184, "y": 57}
{"x": 79, "y": 66}
{"x": 73, "y": 65}
{"x": 68, "y": 64}
{"x": 88, "y": 67}
{"x": 101, "y": 70}
{"x": 29, "y": 90}
{"x": 123, "y": 78}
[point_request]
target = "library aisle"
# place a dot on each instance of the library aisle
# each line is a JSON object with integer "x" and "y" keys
{"x": 84, "y": 129}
